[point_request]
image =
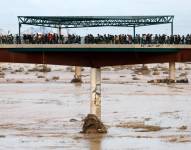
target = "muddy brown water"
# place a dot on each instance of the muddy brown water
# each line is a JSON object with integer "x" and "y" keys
{"x": 46, "y": 116}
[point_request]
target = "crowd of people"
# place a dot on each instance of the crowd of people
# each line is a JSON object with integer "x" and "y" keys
{"x": 40, "y": 39}
{"x": 7, "y": 39}
{"x": 138, "y": 39}
{"x": 99, "y": 39}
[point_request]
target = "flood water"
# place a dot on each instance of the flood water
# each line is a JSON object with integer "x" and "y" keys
{"x": 48, "y": 115}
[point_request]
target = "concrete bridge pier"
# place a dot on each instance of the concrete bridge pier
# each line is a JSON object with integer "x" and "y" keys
{"x": 77, "y": 75}
{"x": 95, "y": 106}
{"x": 172, "y": 71}
{"x": 92, "y": 123}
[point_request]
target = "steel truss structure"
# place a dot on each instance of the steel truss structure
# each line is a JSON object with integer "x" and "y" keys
{"x": 94, "y": 21}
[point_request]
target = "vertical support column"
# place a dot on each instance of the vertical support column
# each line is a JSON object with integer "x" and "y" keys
{"x": 78, "y": 75}
{"x": 134, "y": 32}
{"x": 172, "y": 28}
{"x": 172, "y": 71}
{"x": 95, "y": 107}
{"x": 92, "y": 123}
{"x": 78, "y": 71}
{"x": 19, "y": 40}
{"x": 59, "y": 34}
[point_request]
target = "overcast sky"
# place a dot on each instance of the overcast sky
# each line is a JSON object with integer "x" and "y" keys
{"x": 10, "y": 9}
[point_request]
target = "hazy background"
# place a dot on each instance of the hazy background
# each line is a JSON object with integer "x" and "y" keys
{"x": 10, "y": 9}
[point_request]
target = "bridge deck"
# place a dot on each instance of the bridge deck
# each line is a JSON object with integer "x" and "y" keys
{"x": 94, "y": 55}
{"x": 93, "y": 48}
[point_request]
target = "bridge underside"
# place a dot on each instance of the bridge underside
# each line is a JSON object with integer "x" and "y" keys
{"x": 94, "y": 59}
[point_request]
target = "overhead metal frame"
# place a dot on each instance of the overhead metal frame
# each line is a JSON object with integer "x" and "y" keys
{"x": 94, "y": 21}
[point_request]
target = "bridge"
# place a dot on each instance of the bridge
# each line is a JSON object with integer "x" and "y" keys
{"x": 96, "y": 55}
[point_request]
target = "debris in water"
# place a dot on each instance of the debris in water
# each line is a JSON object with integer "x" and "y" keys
{"x": 2, "y": 136}
{"x": 177, "y": 138}
{"x": 19, "y": 70}
{"x": 168, "y": 81}
{"x": 183, "y": 128}
{"x": 182, "y": 80}
{"x": 40, "y": 76}
{"x": 40, "y": 68}
{"x": 136, "y": 78}
{"x": 73, "y": 120}
{"x": 47, "y": 80}
{"x": 155, "y": 73}
{"x": 140, "y": 125}
{"x": 105, "y": 79}
{"x": 183, "y": 74}
{"x": 93, "y": 125}
{"x": 2, "y": 74}
{"x": 76, "y": 80}
{"x": 142, "y": 71}
{"x": 55, "y": 78}
{"x": 122, "y": 76}
{"x": 19, "y": 81}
